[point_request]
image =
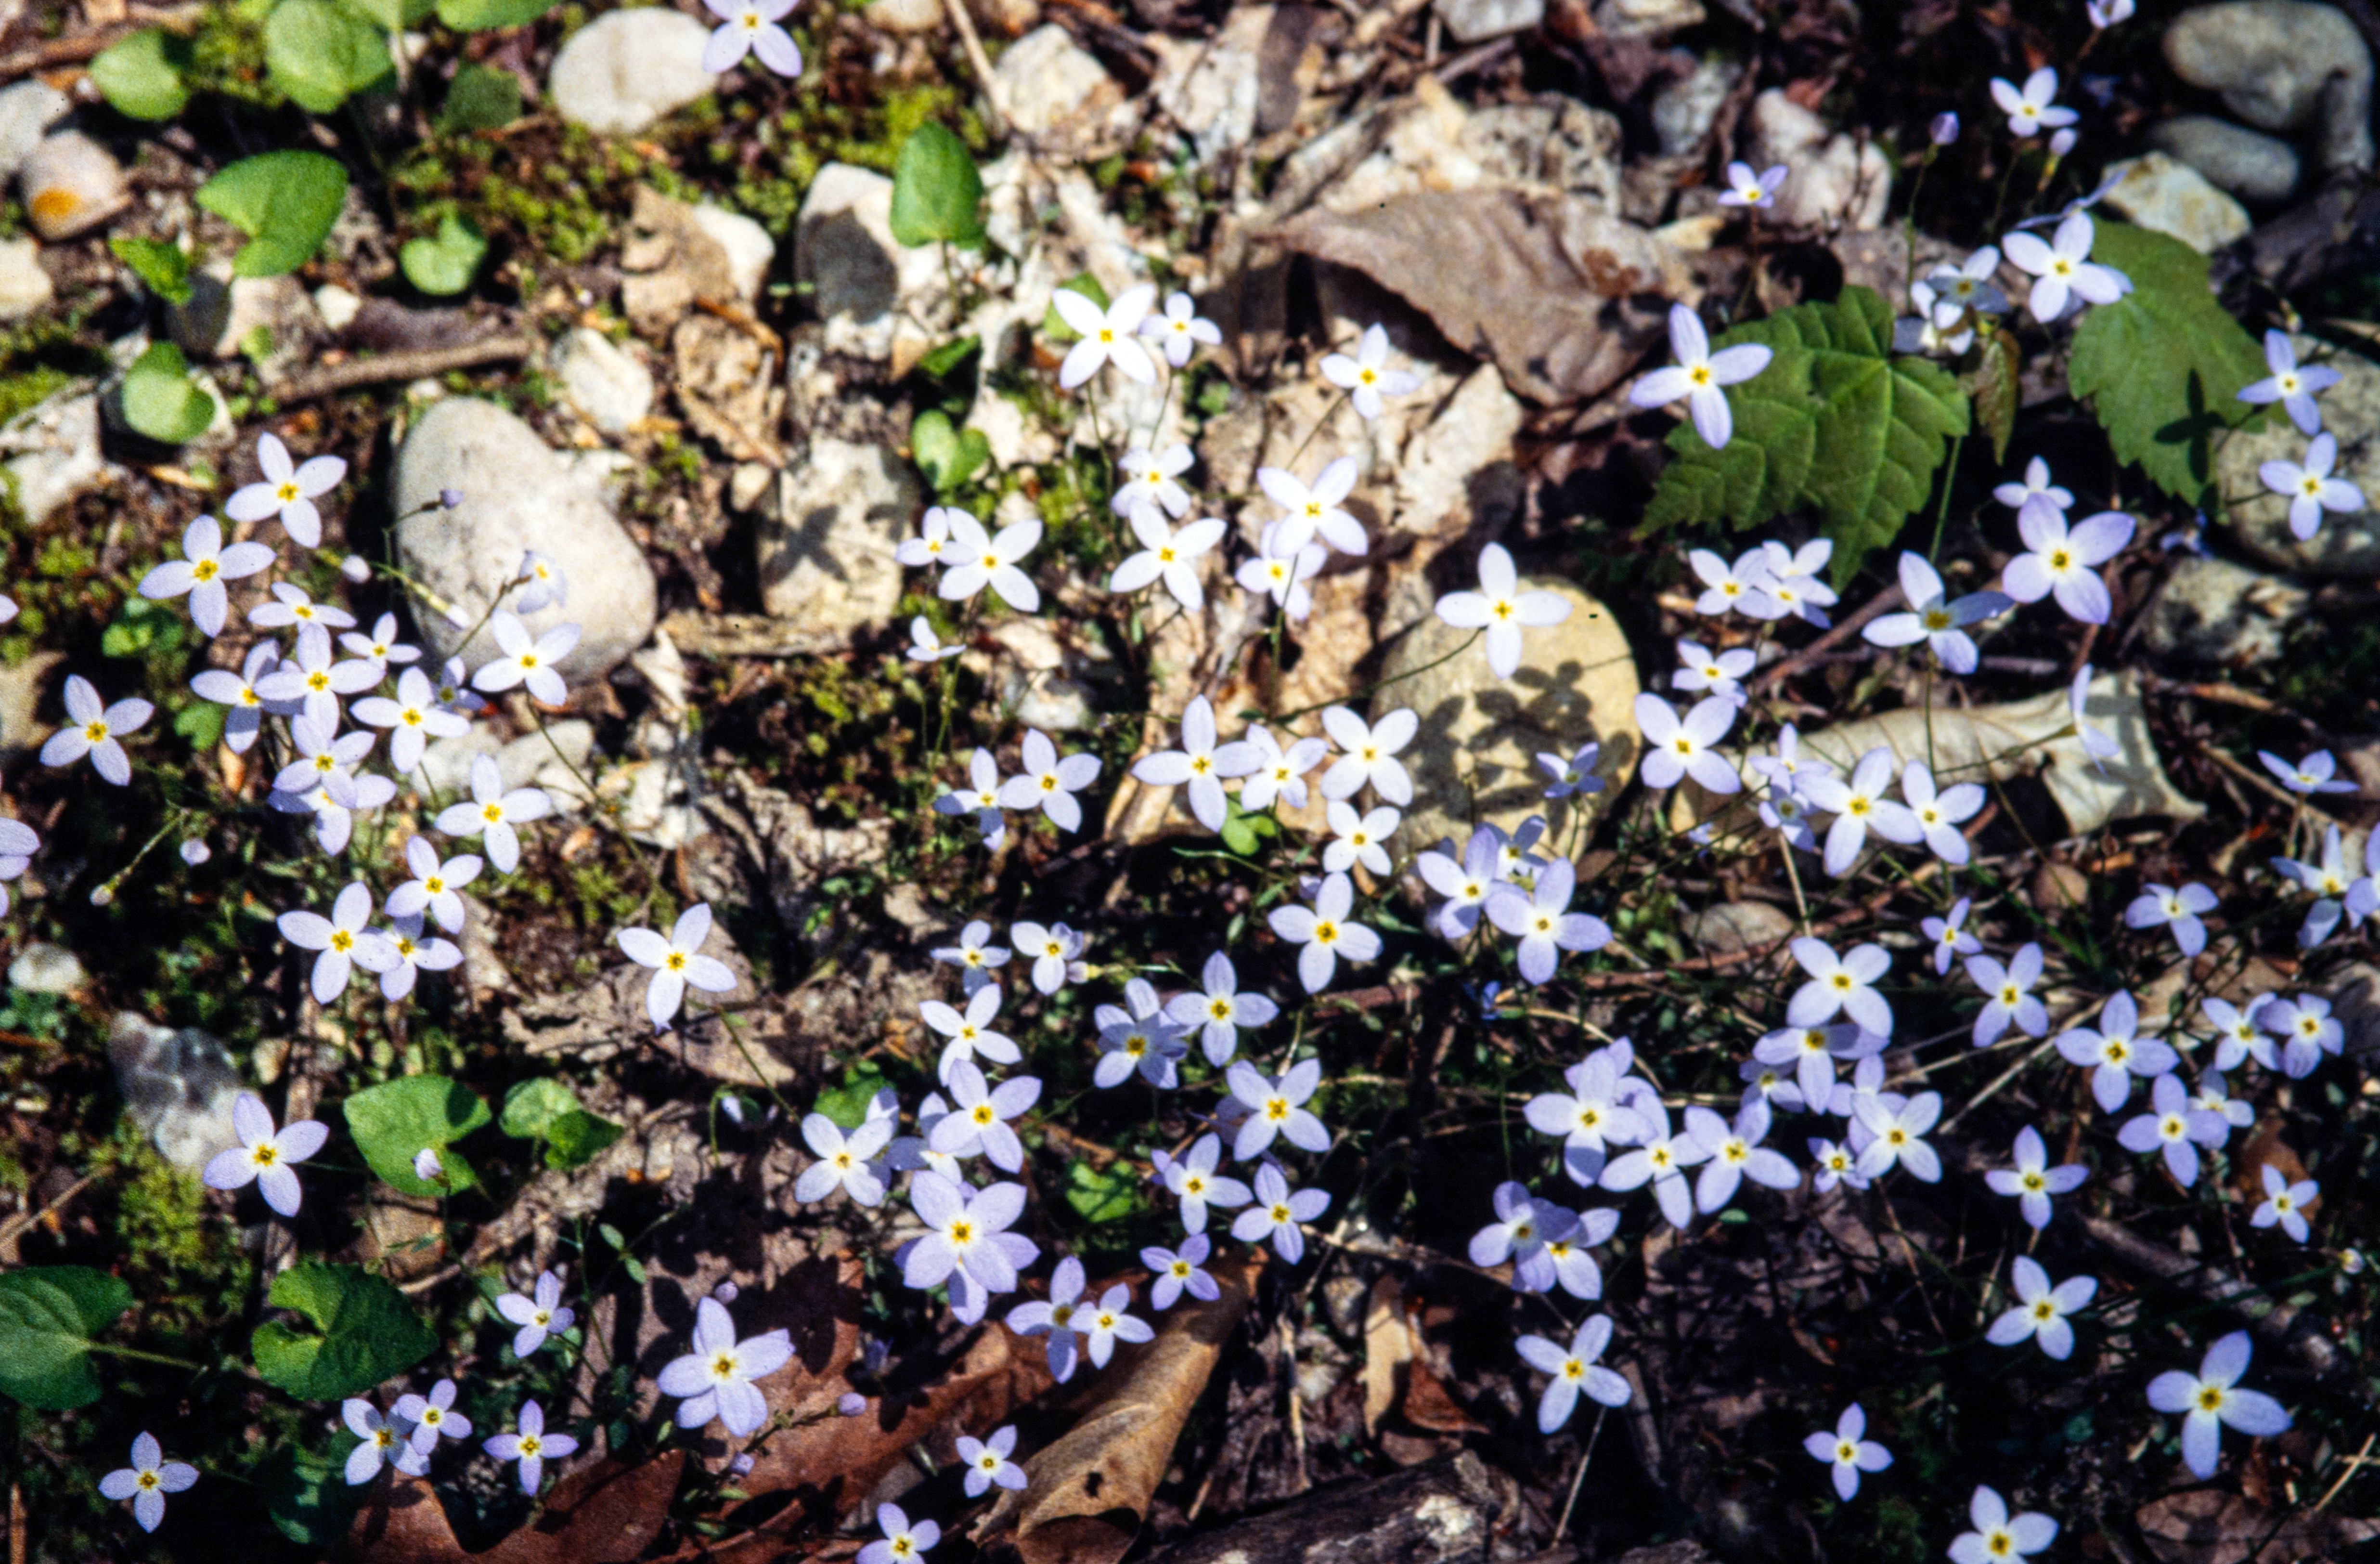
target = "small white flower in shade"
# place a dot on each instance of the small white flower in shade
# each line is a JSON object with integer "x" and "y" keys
{"x": 1049, "y": 783}
{"x": 2293, "y": 388}
{"x": 2097, "y": 743}
{"x": 750, "y": 26}
{"x": 319, "y": 756}
{"x": 1179, "y": 329}
{"x": 413, "y": 718}
{"x": 1938, "y": 814}
{"x": 1812, "y": 1051}
{"x": 2036, "y": 486}
{"x": 1325, "y": 933}
{"x": 147, "y": 1481}
{"x": 538, "y": 1314}
{"x": 96, "y": 731}
{"x": 338, "y": 938}
{"x": 1935, "y": 328}
{"x": 1368, "y": 754}
{"x": 433, "y": 1417}
{"x": 291, "y": 605}
{"x": 966, "y": 1243}
{"x": 1366, "y": 377}
{"x": 1104, "y": 1323}
{"x": 1201, "y": 765}
{"x": 2285, "y": 1202}
{"x": 1280, "y": 773}
{"x": 1675, "y": 747}
{"x": 380, "y": 647}
{"x": 926, "y": 647}
{"x": 2239, "y": 1031}
{"x": 1733, "y": 1153}
{"x": 1849, "y": 1451}
{"x": 977, "y": 559}
{"x": 201, "y": 571}
{"x": 2178, "y": 910}
{"x": 1139, "y": 1038}
{"x": 1539, "y": 917}
{"x": 1465, "y": 884}
{"x": 1746, "y": 188}
{"x": 1220, "y": 1009}
{"x": 1793, "y": 589}
{"x": 1738, "y": 586}
{"x": 287, "y": 492}
{"x": 2105, "y": 14}
{"x": 1282, "y": 575}
{"x": 18, "y": 842}
{"x": 2329, "y": 882}
{"x": 401, "y": 955}
{"x": 1358, "y": 838}
{"x": 1590, "y": 1117}
{"x": 1502, "y": 610}
{"x": 1950, "y": 937}
{"x": 2066, "y": 563}
{"x": 547, "y": 588}
{"x": 454, "y": 690}
{"x": 1998, "y": 1537}
{"x": 2176, "y": 1126}
{"x": 2215, "y": 1097}
{"x": 1899, "y": 1127}
{"x": 527, "y": 660}
{"x": 978, "y": 1122}
{"x": 386, "y": 1441}
{"x": 1703, "y": 671}
{"x": 1314, "y": 511}
{"x": 1055, "y": 951}
{"x": 1860, "y": 806}
{"x": 1174, "y": 1271}
{"x": 264, "y": 1156}
{"x": 1276, "y": 1215}
{"x": 1575, "y": 1271}
{"x": 1831, "y": 1165}
{"x": 1659, "y": 1158}
{"x": 429, "y": 1167}
{"x": 2318, "y": 773}
{"x": 843, "y": 1159}
{"x": 1194, "y": 1182}
{"x": 969, "y": 1033}
{"x": 2008, "y": 998}
{"x": 1939, "y": 622}
{"x": 1277, "y": 1107}
{"x": 676, "y": 961}
{"x": 531, "y": 1445}
{"x": 903, "y": 1542}
{"x": 2210, "y": 1399}
{"x": 2112, "y": 1054}
{"x": 2032, "y": 107}
{"x": 313, "y": 681}
{"x": 987, "y": 1462}
{"x": 1573, "y": 775}
{"x": 436, "y": 885}
{"x": 932, "y": 544}
{"x": 2062, "y": 268}
{"x": 1523, "y": 1228}
{"x": 238, "y": 691}
{"x": 1968, "y": 286}
{"x": 2033, "y": 1181}
{"x": 1109, "y": 337}
{"x": 1572, "y": 1371}
{"x": 715, "y": 1379}
{"x": 1698, "y": 376}
{"x": 493, "y": 813}
{"x": 979, "y": 797}
{"x": 1840, "y": 985}
{"x": 1150, "y": 481}
{"x": 2307, "y": 1029}
{"x": 973, "y": 955}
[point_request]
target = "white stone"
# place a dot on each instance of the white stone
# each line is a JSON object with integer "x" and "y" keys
{"x": 57, "y": 452}
{"x": 865, "y": 286}
{"x": 2169, "y": 197}
{"x": 1058, "y": 94}
{"x": 602, "y": 381}
{"x": 1684, "y": 111}
{"x": 626, "y": 69}
{"x": 750, "y": 250}
{"x": 905, "y": 16}
{"x": 42, "y": 967}
{"x": 1208, "y": 87}
{"x": 517, "y": 496}
{"x": 1835, "y": 181}
{"x": 1641, "y": 18}
{"x": 336, "y": 306}
{"x": 71, "y": 185}
{"x": 224, "y": 311}
{"x": 27, "y": 111}
{"x": 826, "y": 558}
{"x": 1475, "y": 21}
{"x": 25, "y": 287}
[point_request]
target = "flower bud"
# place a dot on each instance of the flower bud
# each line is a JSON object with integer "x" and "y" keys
{"x": 427, "y": 1167}
{"x": 356, "y": 568}
{"x": 1946, "y": 130}
{"x": 739, "y": 1467}
{"x": 851, "y": 1403}
{"x": 726, "y": 1291}
{"x": 195, "y": 851}
{"x": 2061, "y": 142}
{"x": 450, "y": 498}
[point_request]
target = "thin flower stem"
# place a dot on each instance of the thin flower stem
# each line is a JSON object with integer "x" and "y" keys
{"x": 1394, "y": 678}
{"x": 1579, "y": 1477}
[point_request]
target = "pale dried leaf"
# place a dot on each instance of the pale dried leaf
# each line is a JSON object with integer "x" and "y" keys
{"x": 2206, "y": 1526}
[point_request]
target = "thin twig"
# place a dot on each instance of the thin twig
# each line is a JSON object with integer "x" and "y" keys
{"x": 996, "y": 110}
{"x": 1578, "y": 1478}
{"x": 17, "y": 1225}
{"x": 414, "y": 365}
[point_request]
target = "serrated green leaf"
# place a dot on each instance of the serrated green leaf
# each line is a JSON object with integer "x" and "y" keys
{"x": 364, "y": 1332}
{"x": 443, "y": 263}
{"x": 480, "y": 99}
{"x": 320, "y": 53}
{"x": 286, "y": 202}
{"x": 532, "y": 1107}
{"x": 393, "y": 1122}
{"x": 1834, "y": 422}
{"x": 479, "y": 16}
{"x": 158, "y": 399}
{"x": 48, "y": 1315}
{"x": 577, "y": 1138}
{"x": 162, "y": 266}
{"x": 937, "y": 193}
{"x": 2162, "y": 367}
{"x": 144, "y": 76}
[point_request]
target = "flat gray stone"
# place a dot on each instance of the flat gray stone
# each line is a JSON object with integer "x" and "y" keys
{"x": 2167, "y": 196}
{"x": 177, "y": 1087}
{"x": 2214, "y": 611}
{"x": 826, "y": 557}
{"x": 626, "y": 69}
{"x": 1475, "y": 21}
{"x": 2282, "y": 64}
{"x": 2249, "y": 164}
{"x": 602, "y": 381}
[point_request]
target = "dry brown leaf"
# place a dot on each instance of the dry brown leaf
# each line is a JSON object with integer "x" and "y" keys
{"x": 2206, "y": 1526}
{"x": 1562, "y": 296}
{"x": 1089, "y": 1489}
{"x": 607, "y": 1513}
{"x": 1389, "y": 1345}
{"x": 2265, "y": 1148}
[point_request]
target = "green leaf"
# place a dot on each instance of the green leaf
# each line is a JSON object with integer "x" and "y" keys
{"x": 144, "y": 76}
{"x": 443, "y": 263}
{"x": 1834, "y": 422}
{"x": 364, "y": 1332}
{"x": 577, "y": 1138}
{"x": 939, "y": 363}
{"x": 391, "y": 16}
{"x": 479, "y": 16}
{"x": 391, "y": 1123}
{"x": 948, "y": 456}
{"x": 1098, "y": 1195}
{"x": 1053, "y": 325}
{"x": 158, "y": 400}
{"x": 48, "y": 1315}
{"x": 847, "y": 1104}
{"x": 937, "y": 194}
{"x": 319, "y": 52}
{"x": 1993, "y": 385}
{"x": 2162, "y": 367}
{"x": 306, "y": 1496}
{"x": 286, "y": 202}
{"x": 162, "y": 266}
{"x": 201, "y": 722}
{"x": 480, "y": 99}
{"x": 532, "y": 1107}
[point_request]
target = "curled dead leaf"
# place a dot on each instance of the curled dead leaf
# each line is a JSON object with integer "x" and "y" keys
{"x": 2206, "y": 1526}
{"x": 607, "y": 1513}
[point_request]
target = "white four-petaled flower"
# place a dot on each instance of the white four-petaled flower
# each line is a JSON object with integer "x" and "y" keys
{"x": 1698, "y": 376}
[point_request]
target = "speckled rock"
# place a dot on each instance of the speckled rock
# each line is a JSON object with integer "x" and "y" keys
{"x": 2167, "y": 196}
{"x": 2214, "y": 611}
{"x": 2346, "y": 545}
